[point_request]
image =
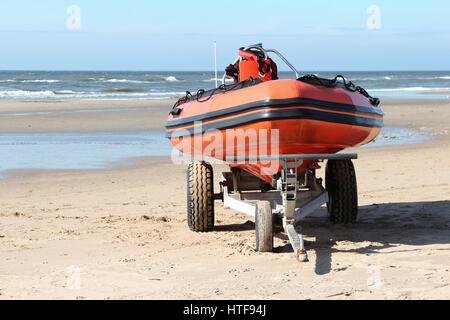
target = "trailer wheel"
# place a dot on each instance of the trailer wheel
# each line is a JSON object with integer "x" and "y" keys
{"x": 264, "y": 227}
{"x": 343, "y": 192}
{"x": 200, "y": 197}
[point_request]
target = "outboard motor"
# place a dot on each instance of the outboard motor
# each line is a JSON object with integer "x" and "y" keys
{"x": 253, "y": 63}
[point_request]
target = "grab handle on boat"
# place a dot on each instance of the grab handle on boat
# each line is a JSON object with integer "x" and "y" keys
{"x": 290, "y": 65}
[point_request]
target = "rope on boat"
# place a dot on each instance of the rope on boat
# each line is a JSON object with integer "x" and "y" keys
{"x": 332, "y": 83}
{"x": 203, "y": 96}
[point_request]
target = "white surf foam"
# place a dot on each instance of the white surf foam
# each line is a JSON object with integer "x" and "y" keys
{"x": 371, "y": 79}
{"x": 26, "y": 94}
{"x": 171, "y": 79}
{"x": 219, "y": 80}
{"x": 123, "y": 81}
{"x": 409, "y": 89}
{"x": 40, "y": 81}
{"x": 69, "y": 94}
{"x": 65, "y": 92}
{"x": 30, "y": 81}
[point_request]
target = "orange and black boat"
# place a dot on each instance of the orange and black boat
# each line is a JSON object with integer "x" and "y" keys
{"x": 294, "y": 125}
{"x": 312, "y": 115}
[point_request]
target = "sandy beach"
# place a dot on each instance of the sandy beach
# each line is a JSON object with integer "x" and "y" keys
{"x": 123, "y": 230}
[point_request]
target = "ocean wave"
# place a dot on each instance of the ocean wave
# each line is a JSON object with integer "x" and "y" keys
{"x": 26, "y": 94}
{"x": 427, "y": 78}
{"x": 124, "y": 93}
{"x": 219, "y": 80}
{"x": 409, "y": 89}
{"x": 160, "y": 79}
{"x": 29, "y": 81}
{"x": 171, "y": 79}
{"x": 371, "y": 79}
{"x": 402, "y": 78}
{"x": 40, "y": 81}
{"x": 65, "y": 92}
{"x": 93, "y": 79}
{"x": 147, "y": 79}
{"x": 113, "y": 80}
{"x": 124, "y": 81}
{"x": 154, "y": 79}
{"x": 122, "y": 90}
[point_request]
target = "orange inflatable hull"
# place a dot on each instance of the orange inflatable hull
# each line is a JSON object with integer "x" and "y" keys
{"x": 274, "y": 117}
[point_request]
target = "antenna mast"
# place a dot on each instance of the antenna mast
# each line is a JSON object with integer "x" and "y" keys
{"x": 215, "y": 64}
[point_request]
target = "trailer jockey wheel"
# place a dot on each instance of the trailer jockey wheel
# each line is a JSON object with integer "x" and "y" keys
{"x": 200, "y": 197}
{"x": 342, "y": 191}
{"x": 264, "y": 227}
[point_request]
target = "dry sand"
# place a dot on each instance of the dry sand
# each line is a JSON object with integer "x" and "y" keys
{"x": 124, "y": 230}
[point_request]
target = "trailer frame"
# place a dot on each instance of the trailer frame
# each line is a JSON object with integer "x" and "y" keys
{"x": 293, "y": 198}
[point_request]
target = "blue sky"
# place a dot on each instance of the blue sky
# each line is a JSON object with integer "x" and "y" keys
{"x": 178, "y": 35}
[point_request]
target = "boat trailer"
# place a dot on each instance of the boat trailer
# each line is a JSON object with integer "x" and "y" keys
{"x": 290, "y": 201}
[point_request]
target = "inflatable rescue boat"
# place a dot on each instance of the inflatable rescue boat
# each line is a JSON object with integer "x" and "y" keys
{"x": 312, "y": 115}
{"x": 274, "y": 134}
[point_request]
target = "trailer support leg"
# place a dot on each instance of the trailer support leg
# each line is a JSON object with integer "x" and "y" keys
{"x": 289, "y": 187}
{"x": 297, "y": 243}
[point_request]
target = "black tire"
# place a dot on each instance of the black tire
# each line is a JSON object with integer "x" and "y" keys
{"x": 264, "y": 227}
{"x": 200, "y": 197}
{"x": 343, "y": 191}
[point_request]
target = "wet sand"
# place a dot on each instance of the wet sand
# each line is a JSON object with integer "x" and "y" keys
{"x": 124, "y": 229}
{"x": 84, "y": 116}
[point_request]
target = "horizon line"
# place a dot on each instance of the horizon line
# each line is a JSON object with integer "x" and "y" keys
{"x": 211, "y": 71}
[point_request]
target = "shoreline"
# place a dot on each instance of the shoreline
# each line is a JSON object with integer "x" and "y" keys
{"x": 126, "y": 118}
{"x": 137, "y": 162}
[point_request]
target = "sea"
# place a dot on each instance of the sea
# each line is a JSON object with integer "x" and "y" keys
{"x": 108, "y": 85}
{"x": 99, "y": 150}
{"x": 102, "y": 150}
